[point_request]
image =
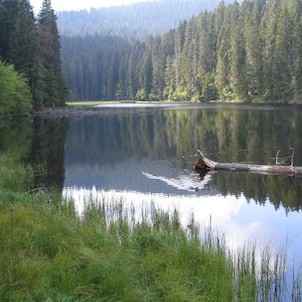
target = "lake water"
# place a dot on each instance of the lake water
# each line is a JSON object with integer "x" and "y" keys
{"x": 143, "y": 155}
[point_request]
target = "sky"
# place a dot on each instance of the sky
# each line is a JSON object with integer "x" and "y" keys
{"x": 61, "y": 5}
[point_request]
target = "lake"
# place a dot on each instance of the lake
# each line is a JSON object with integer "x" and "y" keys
{"x": 143, "y": 155}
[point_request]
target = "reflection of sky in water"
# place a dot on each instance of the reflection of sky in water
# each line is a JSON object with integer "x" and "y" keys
{"x": 159, "y": 176}
{"x": 241, "y": 222}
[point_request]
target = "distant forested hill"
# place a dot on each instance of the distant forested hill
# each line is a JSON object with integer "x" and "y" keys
{"x": 132, "y": 20}
{"x": 250, "y": 52}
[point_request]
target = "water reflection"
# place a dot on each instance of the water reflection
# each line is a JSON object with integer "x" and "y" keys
{"x": 47, "y": 151}
{"x": 240, "y": 222}
{"x": 136, "y": 152}
{"x": 16, "y": 137}
{"x": 147, "y": 158}
{"x": 185, "y": 182}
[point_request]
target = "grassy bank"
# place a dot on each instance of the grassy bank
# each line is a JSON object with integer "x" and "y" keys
{"x": 49, "y": 254}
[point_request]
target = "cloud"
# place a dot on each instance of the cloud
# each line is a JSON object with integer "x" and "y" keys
{"x": 217, "y": 209}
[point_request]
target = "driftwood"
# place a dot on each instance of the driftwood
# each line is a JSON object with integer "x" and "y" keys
{"x": 205, "y": 164}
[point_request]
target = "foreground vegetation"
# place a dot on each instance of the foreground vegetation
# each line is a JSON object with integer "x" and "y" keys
{"x": 111, "y": 254}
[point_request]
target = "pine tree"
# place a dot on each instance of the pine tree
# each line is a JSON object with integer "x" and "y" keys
{"x": 294, "y": 8}
{"x": 24, "y": 50}
{"x": 207, "y": 57}
{"x": 146, "y": 75}
{"x": 134, "y": 64}
{"x": 179, "y": 43}
{"x": 158, "y": 69}
{"x": 169, "y": 79}
{"x": 252, "y": 13}
{"x": 55, "y": 91}
{"x": 189, "y": 59}
{"x": 169, "y": 72}
{"x": 112, "y": 75}
{"x": 238, "y": 81}
{"x": 281, "y": 70}
{"x": 223, "y": 57}
{"x": 269, "y": 22}
{"x": 8, "y": 13}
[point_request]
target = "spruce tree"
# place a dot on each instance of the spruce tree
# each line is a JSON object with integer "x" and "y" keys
{"x": 283, "y": 84}
{"x": 223, "y": 57}
{"x": 237, "y": 54}
{"x": 24, "y": 52}
{"x": 147, "y": 75}
{"x": 294, "y": 8}
{"x": 8, "y": 12}
{"x": 158, "y": 68}
{"x": 252, "y": 11}
{"x": 269, "y": 22}
{"x": 55, "y": 91}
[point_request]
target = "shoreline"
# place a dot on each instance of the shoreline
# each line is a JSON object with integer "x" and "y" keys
{"x": 80, "y": 109}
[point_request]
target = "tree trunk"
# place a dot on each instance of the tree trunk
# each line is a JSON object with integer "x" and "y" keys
{"x": 204, "y": 164}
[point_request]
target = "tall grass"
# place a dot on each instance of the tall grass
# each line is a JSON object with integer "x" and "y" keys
{"x": 48, "y": 253}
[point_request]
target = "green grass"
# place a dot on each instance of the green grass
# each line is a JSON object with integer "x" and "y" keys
{"x": 48, "y": 253}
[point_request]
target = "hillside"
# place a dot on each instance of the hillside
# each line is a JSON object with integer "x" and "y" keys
{"x": 248, "y": 52}
{"x": 134, "y": 20}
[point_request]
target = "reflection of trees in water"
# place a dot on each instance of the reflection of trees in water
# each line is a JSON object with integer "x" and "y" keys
{"x": 282, "y": 191}
{"x": 15, "y": 137}
{"x": 40, "y": 142}
{"x": 226, "y": 134}
{"x": 48, "y": 143}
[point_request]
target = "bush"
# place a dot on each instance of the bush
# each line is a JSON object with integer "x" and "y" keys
{"x": 15, "y": 95}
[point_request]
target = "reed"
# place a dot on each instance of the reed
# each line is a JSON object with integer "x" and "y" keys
{"x": 112, "y": 253}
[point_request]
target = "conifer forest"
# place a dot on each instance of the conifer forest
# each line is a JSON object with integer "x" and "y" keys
{"x": 249, "y": 51}
{"x": 30, "y": 54}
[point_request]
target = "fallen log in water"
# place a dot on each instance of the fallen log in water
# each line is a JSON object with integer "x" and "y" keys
{"x": 204, "y": 164}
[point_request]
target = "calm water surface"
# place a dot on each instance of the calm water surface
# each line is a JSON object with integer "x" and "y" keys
{"x": 143, "y": 156}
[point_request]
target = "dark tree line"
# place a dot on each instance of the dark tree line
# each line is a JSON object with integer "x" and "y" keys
{"x": 33, "y": 47}
{"x": 250, "y": 51}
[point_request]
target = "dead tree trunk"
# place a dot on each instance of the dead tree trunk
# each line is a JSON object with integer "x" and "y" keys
{"x": 203, "y": 164}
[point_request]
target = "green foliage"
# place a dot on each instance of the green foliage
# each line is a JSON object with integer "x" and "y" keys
{"x": 34, "y": 50}
{"x": 209, "y": 91}
{"x": 15, "y": 96}
{"x": 180, "y": 94}
{"x": 55, "y": 92}
{"x": 252, "y": 50}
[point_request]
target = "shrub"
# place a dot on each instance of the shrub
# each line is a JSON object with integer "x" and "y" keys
{"x": 15, "y": 95}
